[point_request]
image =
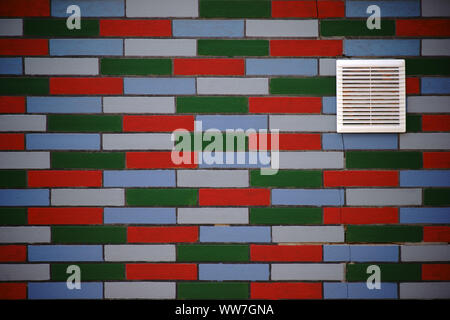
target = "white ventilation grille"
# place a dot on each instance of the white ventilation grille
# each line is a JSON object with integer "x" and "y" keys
{"x": 371, "y": 95}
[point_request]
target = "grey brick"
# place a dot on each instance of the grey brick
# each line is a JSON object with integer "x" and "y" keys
{"x": 140, "y": 252}
{"x": 24, "y": 234}
{"x": 25, "y": 272}
{"x": 11, "y": 27}
{"x": 213, "y": 216}
{"x": 308, "y": 123}
{"x": 308, "y": 271}
{"x": 327, "y": 67}
{"x": 428, "y": 104}
{"x": 233, "y": 86}
{"x": 282, "y": 28}
{"x": 436, "y": 47}
{"x": 384, "y": 197}
{"x": 162, "y": 8}
{"x": 311, "y": 160}
{"x": 24, "y": 160}
{"x": 425, "y": 253}
{"x": 308, "y": 234}
{"x": 88, "y": 197}
{"x": 22, "y": 122}
{"x": 425, "y": 141}
{"x": 139, "y": 105}
{"x": 61, "y": 66}
{"x": 435, "y": 8}
{"x": 212, "y": 178}
{"x": 137, "y": 141}
{"x": 140, "y": 290}
{"x": 425, "y": 290}
{"x": 160, "y": 47}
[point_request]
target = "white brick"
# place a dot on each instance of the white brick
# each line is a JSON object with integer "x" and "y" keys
{"x": 282, "y": 28}
{"x": 140, "y": 252}
{"x": 24, "y": 234}
{"x": 24, "y": 160}
{"x": 11, "y": 27}
{"x": 384, "y": 197}
{"x": 161, "y": 47}
{"x": 140, "y": 290}
{"x": 425, "y": 290}
{"x": 23, "y": 122}
{"x": 428, "y": 141}
{"x": 425, "y": 252}
{"x": 233, "y": 86}
{"x": 307, "y": 271}
{"x": 61, "y": 66}
{"x": 137, "y": 141}
{"x": 307, "y": 234}
{"x": 88, "y": 197}
{"x": 212, "y": 178}
{"x": 24, "y": 272}
{"x": 139, "y": 105}
{"x": 308, "y": 123}
{"x": 162, "y": 8}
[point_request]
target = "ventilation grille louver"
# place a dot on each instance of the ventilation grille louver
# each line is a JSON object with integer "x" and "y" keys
{"x": 371, "y": 96}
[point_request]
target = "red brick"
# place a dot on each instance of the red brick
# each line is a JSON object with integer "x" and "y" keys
{"x": 331, "y": 8}
{"x": 436, "y": 160}
{"x": 162, "y": 271}
{"x": 23, "y": 47}
{"x": 436, "y": 272}
{"x": 435, "y": 122}
{"x": 294, "y": 9}
{"x": 285, "y": 290}
{"x": 412, "y": 86}
{"x": 157, "y": 123}
{"x": 423, "y": 27}
{"x": 13, "y": 253}
{"x": 13, "y": 291}
{"x": 285, "y": 104}
{"x": 157, "y": 160}
{"x": 436, "y": 234}
{"x": 360, "y": 215}
{"x": 86, "y": 86}
{"x": 12, "y": 141}
{"x": 234, "y": 197}
{"x": 135, "y": 28}
{"x": 61, "y": 216}
{"x": 12, "y": 104}
{"x": 305, "y": 48}
{"x": 360, "y": 178}
{"x": 304, "y": 253}
{"x": 64, "y": 178}
{"x": 219, "y": 67}
{"x": 162, "y": 234}
{"x": 25, "y": 8}
{"x": 287, "y": 141}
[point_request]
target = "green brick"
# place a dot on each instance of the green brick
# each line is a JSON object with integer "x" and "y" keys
{"x": 383, "y": 160}
{"x": 304, "y": 86}
{"x": 343, "y": 28}
{"x": 383, "y": 234}
{"x": 413, "y": 123}
{"x": 205, "y": 142}
{"x": 437, "y": 197}
{"x": 84, "y": 123}
{"x": 389, "y": 272}
{"x": 428, "y": 66}
{"x": 111, "y": 66}
{"x": 161, "y": 197}
{"x": 287, "y": 178}
{"x": 89, "y": 234}
{"x": 13, "y": 178}
{"x": 24, "y": 86}
{"x": 233, "y": 48}
{"x": 212, "y": 105}
{"x": 235, "y": 8}
{"x": 291, "y": 216}
{"x": 13, "y": 216}
{"x": 87, "y": 160}
{"x": 213, "y": 290}
{"x": 212, "y": 253}
{"x": 58, "y": 28}
{"x": 90, "y": 271}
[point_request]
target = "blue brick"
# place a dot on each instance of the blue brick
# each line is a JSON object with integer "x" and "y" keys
{"x": 65, "y": 253}
{"x": 333, "y": 141}
{"x": 247, "y": 163}
{"x": 301, "y": 67}
{"x": 208, "y": 28}
{"x": 435, "y": 85}
{"x": 64, "y": 104}
{"x": 159, "y": 86}
{"x": 425, "y": 215}
{"x": 86, "y": 47}
{"x": 334, "y": 290}
{"x": 425, "y": 178}
{"x": 139, "y": 178}
{"x": 223, "y": 123}
{"x": 235, "y": 234}
{"x": 336, "y": 253}
{"x": 11, "y": 66}
{"x": 308, "y": 197}
{"x": 63, "y": 141}
{"x": 360, "y": 253}
{"x": 391, "y": 8}
{"x": 24, "y": 197}
{"x": 387, "y": 47}
{"x": 220, "y": 272}
{"x": 90, "y": 8}
{"x": 139, "y": 216}
{"x": 358, "y": 290}
{"x": 59, "y": 290}
{"x": 329, "y": 105}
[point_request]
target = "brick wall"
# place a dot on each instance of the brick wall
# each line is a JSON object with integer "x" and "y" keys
{"x": 87, "y": 179}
